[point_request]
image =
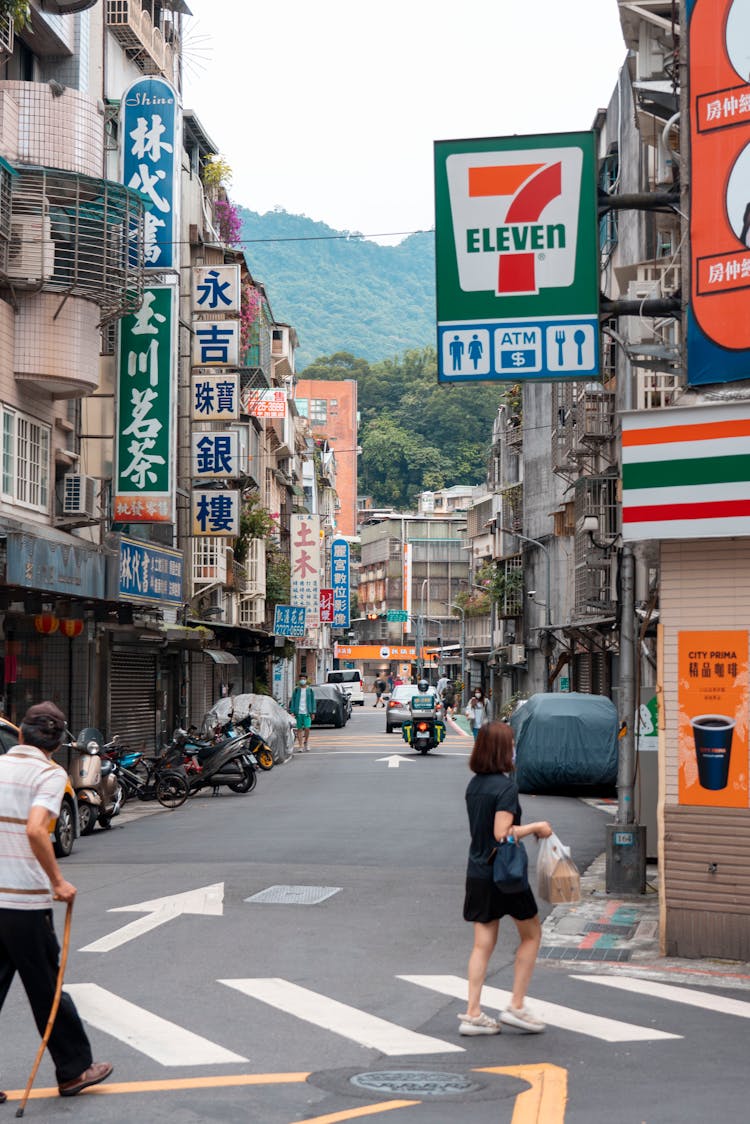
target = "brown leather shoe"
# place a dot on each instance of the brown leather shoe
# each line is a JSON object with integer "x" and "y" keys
{"x": 98, "y": 1071}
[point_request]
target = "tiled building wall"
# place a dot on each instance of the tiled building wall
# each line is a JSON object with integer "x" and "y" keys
{"x": 57, "y": 347}
{"x": 65, "y": 132}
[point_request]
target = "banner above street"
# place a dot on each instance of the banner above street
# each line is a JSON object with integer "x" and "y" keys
{"x": 516, "y": 257}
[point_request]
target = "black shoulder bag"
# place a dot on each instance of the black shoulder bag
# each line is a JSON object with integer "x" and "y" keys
{"x": 510, "y": 866}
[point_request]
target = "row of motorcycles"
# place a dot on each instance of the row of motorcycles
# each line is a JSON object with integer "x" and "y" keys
{"x": 105, "y": 775}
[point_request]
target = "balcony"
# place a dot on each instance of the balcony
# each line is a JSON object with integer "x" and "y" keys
{"x": 144, "y": 43}
{"x": 583, "y": 418}
{"x": 209, "y": 563}
{"x": 250, "y": 575}
{"x": 595, "y": 559}
{"x": 75, "y": 235}
{"x": 477, "y": 632}
{"x": 252, "y": 612}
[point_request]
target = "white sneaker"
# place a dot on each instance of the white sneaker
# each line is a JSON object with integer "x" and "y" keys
{"x": 523, "y": 1019}
{"x": 478, "y": 1024}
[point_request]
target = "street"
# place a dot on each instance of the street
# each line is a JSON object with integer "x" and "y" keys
{"x": 333, "y": 995}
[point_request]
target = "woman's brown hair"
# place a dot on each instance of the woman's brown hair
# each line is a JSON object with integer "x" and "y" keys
{"x": 493, "y": 749}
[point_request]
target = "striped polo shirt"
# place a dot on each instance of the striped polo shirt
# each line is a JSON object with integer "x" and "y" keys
{"x": 28, "y": 779}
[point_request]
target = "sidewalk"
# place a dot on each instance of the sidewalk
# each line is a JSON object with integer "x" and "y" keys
{"x": 621, "y": 935}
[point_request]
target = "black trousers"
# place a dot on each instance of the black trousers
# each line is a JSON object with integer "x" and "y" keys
{"x": 28, "y": 945}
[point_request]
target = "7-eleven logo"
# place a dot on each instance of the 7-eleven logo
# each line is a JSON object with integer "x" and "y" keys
{"x": 515, "y": 221}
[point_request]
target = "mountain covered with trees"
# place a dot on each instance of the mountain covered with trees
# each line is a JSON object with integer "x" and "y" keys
{"x": 367, "y": 312}
{"x": 339, "y": 290}
{"x": 414, "y": 434}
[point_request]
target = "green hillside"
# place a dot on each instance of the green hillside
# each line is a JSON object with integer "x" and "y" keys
{"x": 339, "y": 291}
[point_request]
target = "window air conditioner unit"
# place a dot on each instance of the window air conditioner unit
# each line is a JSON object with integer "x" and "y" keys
{"x": 31, "y": 251}
{"x": 516, "y": 654}
{"x": 79, "y": 495}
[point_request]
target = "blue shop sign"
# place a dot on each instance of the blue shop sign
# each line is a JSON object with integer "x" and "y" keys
{"x": 150, "y": 573}
{"x": 37, "y": 563}
{"x": 151, "y": 146}
{"x": 289, "y": 620}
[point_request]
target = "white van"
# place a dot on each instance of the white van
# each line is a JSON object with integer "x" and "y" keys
{"x": 350, "y": 678}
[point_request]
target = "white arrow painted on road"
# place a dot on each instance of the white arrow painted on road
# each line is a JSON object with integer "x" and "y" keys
{"x": 395, "y": 760}
{"x": 208, "y": 901}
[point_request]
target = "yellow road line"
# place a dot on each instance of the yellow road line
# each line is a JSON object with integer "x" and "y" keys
{"x": 358, "y": 1113}
{"x": 170, "y": 1084}
{"x": 545, "y": 1101}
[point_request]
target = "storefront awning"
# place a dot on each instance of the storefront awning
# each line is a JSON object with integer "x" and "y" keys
{"x": 220, "y": 656}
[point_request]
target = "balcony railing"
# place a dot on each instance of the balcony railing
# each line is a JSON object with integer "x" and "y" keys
{"x": 250, "y": 576}
{"x": 209, "y": 562}
{"x": 145, "y": 44}
{"x": 76, "y": 235}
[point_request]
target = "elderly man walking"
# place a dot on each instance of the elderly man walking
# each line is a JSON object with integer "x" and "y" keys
{"x": 31, "y": 791}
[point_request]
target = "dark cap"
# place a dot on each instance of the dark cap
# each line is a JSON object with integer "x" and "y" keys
{"x": 45, "y": 716}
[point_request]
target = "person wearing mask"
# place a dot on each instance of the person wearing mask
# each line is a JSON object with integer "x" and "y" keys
{"x": 31, "y": 792}
{"x": 495, "y": 815}
{"x": 476, "y": 711}
{"x": 302, "y": 707}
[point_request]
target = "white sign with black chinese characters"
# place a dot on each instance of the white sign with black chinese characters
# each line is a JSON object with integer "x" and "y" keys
{"x": 216, "y": 513}
{"x": 305, "y": 578}
{"x": 216, "y": 288}
{"x": 215, "y": 455}
{"x": 216, "y": 343}
{"x": 215, "y": 397}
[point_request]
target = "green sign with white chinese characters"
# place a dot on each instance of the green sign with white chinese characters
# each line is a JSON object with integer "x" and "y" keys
{"x": 516, "y": 244}
{"x": 144, "y": 469}
{"x": 397, "y": 615}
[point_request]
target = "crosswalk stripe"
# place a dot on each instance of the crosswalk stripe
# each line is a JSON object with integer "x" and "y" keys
{"x": 164, "y": 1041}
{"x": 349, "y": 1022}
{"x": 722, "y": 1004}
{"x": 567, "y": 1018}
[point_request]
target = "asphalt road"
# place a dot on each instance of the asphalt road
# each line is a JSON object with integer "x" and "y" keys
{"x": 266, "y": 1010}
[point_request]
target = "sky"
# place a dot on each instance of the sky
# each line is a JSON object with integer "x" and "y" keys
{"x": 331, "y": 109}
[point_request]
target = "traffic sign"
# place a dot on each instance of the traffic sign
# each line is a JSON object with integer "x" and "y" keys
{"x": 397, "y": 615}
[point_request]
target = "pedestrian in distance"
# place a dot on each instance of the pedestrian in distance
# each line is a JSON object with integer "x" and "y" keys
{"x": 494, "y": 816}
{"x": 477, "y": 711}
{"x": 380, "y": 687}
{"x": 31, "y": 792}
{"x": 449, "y": 697}
{"x": 302, "y": 707}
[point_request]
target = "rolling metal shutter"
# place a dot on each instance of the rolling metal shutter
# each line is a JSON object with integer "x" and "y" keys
{"x": 132, "y": 695}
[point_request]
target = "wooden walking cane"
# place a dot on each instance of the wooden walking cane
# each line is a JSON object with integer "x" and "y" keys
{"x": 53, "y": 1010}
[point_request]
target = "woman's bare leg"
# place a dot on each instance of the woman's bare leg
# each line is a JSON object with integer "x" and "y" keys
{"x": 530, "y": 933}
{"x": 485, "y": 939}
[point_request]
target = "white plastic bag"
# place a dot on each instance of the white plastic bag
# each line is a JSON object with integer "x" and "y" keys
{"x": 557, "y": 875}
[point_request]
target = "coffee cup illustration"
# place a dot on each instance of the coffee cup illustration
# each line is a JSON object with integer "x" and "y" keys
{"x": 712, "y": 734}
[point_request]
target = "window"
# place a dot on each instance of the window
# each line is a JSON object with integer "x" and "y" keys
{"x": 318, "y": 410}
{"x": 25, "y": 460}
{"x": 301, "y": 407}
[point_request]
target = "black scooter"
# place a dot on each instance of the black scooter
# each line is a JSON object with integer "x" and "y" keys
{"x": 228, "y": 761}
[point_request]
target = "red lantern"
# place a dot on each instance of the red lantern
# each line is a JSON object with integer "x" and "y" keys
{"x": 71, "y": 628}
{"x": 46, "y": 623}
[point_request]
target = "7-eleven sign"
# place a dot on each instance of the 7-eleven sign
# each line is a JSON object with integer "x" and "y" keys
{"x": 516, "y": 242}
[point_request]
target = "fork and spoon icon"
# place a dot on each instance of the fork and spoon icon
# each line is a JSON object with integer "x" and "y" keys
{"x": 579, "y": 339}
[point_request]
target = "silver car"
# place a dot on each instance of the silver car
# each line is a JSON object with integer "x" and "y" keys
{"x": 397, "y": 708}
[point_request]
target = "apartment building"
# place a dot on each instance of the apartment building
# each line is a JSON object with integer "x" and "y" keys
{"x": 331, "y": 410}
{"x": 145, "y": 386}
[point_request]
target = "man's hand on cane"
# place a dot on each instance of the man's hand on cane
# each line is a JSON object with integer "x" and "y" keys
{"x": 64, "y": 891}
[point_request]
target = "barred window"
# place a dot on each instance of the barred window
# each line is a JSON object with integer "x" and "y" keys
{"x": 25, "y": 460}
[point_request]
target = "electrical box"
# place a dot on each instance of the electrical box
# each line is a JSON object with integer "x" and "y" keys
{"x": 626, "y": 858}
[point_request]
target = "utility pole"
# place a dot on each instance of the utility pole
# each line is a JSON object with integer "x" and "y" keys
{"x": 626, "y": 840}
{"x": 463, "y": 646}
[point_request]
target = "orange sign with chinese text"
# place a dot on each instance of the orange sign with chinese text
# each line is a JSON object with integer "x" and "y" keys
{"x": 712, "y": 699}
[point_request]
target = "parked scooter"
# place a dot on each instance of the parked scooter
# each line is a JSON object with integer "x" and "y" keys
{"x": 243, "y": 729}
{"x": 94, "y": 779}
{"x": 213, "y": 764}
{"x": 424, "y": 730}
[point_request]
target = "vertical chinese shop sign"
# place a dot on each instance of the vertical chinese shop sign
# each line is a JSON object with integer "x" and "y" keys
{"x": 712, "y": 698}
{"x": 718, "y": 336}
{"x": 144, "y": 486}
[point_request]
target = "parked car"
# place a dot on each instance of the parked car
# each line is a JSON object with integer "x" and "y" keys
{"x": 566, "y": 741}
{"x": 64, "y": 830}
{"x": 330, "y": 705}
{"x": 397, "y": 707}
{"x": 352, "y": 681}
{"x": 347, "y": 699}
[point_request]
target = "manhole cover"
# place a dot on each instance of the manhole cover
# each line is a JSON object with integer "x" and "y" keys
{"x": 294, "y": 895}
{"x": 415, "y": 1081}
